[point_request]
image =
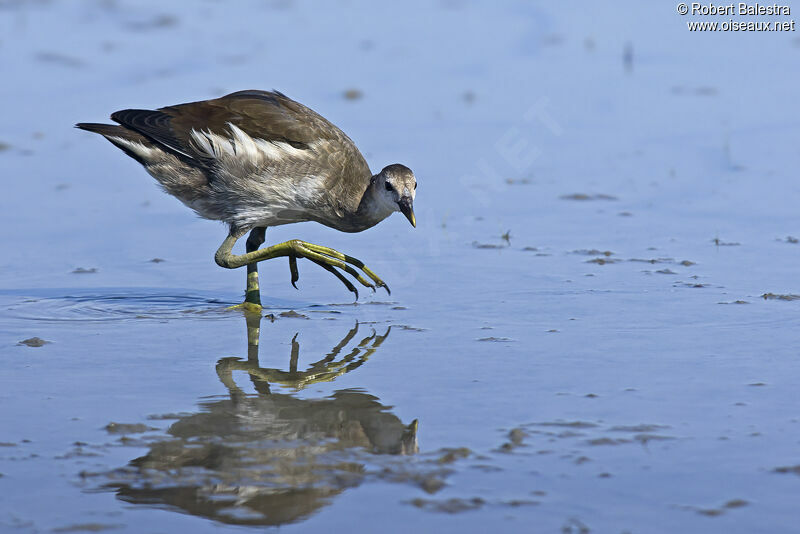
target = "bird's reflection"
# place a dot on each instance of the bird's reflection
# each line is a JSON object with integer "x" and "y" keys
{"x": 269, "y": 458}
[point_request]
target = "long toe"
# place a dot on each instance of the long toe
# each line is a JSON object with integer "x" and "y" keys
{"x": 340, "y": 276}
{"x": 319, "y": 258}
{"x": 333, "y": 253}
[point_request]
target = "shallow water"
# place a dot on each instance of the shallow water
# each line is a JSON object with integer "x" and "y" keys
{"x": 593, "y": 328}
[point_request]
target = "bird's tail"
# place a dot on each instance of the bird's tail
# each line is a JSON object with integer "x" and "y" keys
{"x": 119, "y": 136}
{"x": 103, "y": 129}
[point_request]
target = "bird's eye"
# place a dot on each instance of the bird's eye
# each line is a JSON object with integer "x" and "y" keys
{"x": 389, "y": 186}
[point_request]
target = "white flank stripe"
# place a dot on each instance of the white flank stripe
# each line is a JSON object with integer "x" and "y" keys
{"x": 136, "y": 147}
{"x": 203, "y": 142}
{"x": 242, "y": 146}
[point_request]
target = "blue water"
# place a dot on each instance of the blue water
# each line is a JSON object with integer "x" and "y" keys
{"x": 594, "y": 324}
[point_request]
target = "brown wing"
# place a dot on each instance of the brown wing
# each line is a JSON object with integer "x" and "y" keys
{"x": 267, "y": 115}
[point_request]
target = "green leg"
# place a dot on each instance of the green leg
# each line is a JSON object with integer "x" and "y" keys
{"x": 252, "y": 296}
{"x": 326, "y": 257}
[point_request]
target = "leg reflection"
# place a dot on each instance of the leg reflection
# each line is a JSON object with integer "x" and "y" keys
{"x": 323, "y": 370}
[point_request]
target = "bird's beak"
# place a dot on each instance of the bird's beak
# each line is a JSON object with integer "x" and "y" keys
{"x": 407, "y": 208}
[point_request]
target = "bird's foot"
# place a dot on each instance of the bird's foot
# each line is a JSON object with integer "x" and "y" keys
{"x": 252, "y": 295}
{"x": 247, "y": 307}
{"x": 331, "y": 260}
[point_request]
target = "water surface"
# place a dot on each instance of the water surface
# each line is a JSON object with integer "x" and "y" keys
{"x": 593, "y": 328}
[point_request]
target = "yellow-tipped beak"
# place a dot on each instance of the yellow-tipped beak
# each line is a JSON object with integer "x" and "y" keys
{"x": 412, "y": 219}
{"x": 407, "y": 209}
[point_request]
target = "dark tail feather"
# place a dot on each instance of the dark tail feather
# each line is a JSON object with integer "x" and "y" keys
{"x": 110, "y": 131}
{"x": 102, "y": 129}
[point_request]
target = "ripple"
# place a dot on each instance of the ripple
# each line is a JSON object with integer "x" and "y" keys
{"x": 113, "y": 304}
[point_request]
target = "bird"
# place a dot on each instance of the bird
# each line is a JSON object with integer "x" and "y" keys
{"x": 255, "y": 159}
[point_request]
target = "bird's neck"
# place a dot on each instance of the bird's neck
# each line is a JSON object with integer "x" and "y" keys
{"x": 374, "y": 206}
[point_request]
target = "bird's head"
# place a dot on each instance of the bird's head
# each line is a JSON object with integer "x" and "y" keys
{"x": 397, "y": 187}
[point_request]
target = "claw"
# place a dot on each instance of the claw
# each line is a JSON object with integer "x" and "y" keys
{"x": 293, "y": 270}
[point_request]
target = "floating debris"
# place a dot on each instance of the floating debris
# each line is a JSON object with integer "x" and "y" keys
{"x": 449, "y": 506}
{"x": 593, "y": 252}
{"x": 496, "y": 339}
{"x": 81, "y": 270}
{"x": 157, "y": 260}
{"x": 585, "y": 196}
{"x": 714, "y": 512}
{"x": 710, "y": 512}
{"x": 720, "y": 243}
{"x": 451, "y": 455}
{"x": 607, "y": 441}
{"x": 602, "y": 261}
{"x": 653, "y": 260}
{"x": 516, "y": 503}
{"x": 789, "y": 239}
{"x": 515, "y": 439}
{"x": 34, "y": 342}
{"x": 158, "y": 22}
{"x": 431, "y": 484}
{"x": 353, "y": 94}
{"x": 645, "y": 438}
{"x": 475, "y": 244}
{"x": 788, "y": 469}
{"x": 666, "y": 271}
{"x": 773, "y": 296}
{"x": 292, "y": 314}
{"x": 736, "y": 503}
